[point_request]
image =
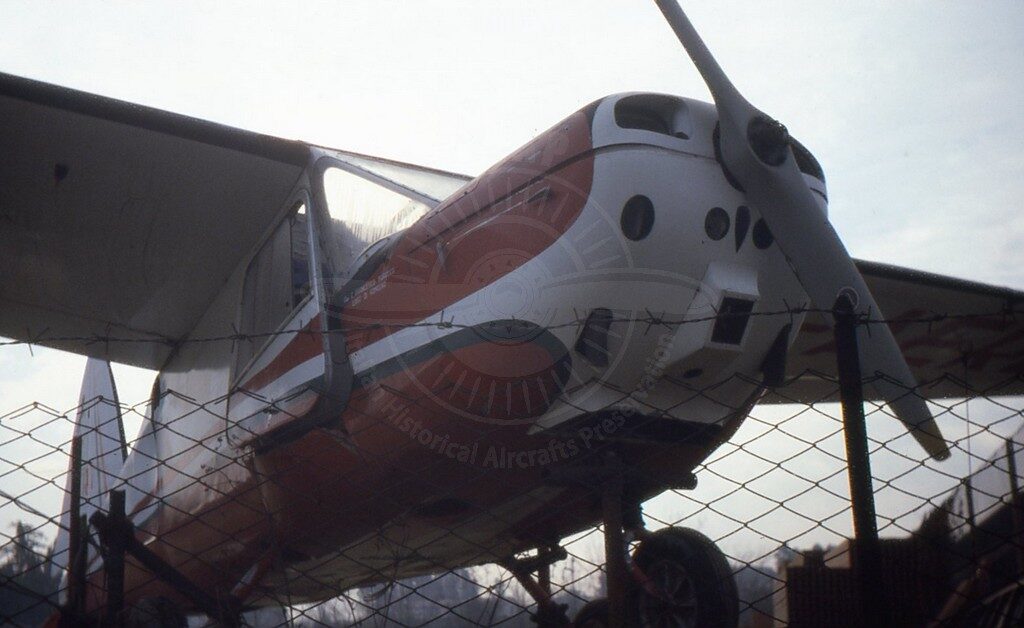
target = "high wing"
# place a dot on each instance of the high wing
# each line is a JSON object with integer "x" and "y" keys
{"x": 960, "y": 338}
{"x": 121, "y": 221}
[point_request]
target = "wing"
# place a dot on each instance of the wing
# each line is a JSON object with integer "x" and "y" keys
{"x": 121, "y": 221}
{"x": 960, "y": 338}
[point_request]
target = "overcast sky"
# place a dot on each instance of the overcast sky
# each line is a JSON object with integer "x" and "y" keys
{"x": 914, "y": 109}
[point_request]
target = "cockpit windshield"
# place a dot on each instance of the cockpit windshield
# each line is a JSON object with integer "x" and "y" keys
{"x": 364, "y": 211}
{"x": 368, "y": 199}
{"x": 432, "y": 185}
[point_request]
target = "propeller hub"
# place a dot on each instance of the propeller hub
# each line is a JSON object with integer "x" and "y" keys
{"x": 769, "y": 139}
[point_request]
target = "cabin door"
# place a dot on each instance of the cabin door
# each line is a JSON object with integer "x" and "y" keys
{"x": 281, "y": 355}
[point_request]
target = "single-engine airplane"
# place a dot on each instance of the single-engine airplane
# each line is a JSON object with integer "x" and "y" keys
{"x": 370, "y": 370}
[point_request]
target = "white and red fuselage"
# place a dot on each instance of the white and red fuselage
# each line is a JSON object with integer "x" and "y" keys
{"x": 516, "y": 332}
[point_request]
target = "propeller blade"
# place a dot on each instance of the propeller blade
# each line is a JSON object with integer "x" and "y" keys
{"x": 755, "y": 150}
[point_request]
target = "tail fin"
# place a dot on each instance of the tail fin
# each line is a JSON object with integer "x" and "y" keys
{"x": 99, "y": 425}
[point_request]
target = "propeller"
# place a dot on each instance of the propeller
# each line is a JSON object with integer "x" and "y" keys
{"x": 755, "y": 150}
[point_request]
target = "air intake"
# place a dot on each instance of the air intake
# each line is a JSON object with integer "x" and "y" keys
{"x": 731, "y": 321}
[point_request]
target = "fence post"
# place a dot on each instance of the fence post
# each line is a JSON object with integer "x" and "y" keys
{"x": 614, "y": 553}
{"x": 76, "y": 561}
{"x": 867, "y": 558}
{"x": 1015, "y": 504}
{"x": 114, "y": 561}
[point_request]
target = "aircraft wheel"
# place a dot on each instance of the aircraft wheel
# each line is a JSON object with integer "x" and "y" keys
{"x": 689, "y": 582}
{"x": 594, "y": 614}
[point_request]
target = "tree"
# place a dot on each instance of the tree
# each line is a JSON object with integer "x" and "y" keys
{"x": 26, "y": 584}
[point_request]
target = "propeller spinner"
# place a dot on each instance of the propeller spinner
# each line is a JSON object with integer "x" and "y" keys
{"x": 755, "y": 149}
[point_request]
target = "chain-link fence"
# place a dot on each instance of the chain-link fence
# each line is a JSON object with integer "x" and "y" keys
{"x": 383, "y": 518}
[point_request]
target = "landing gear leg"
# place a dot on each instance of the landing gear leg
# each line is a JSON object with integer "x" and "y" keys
{"x": 623, "y": 522}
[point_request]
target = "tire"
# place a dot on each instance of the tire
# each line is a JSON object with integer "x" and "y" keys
{"x": 698, "y": 587}
{"x": 594, "y": 614}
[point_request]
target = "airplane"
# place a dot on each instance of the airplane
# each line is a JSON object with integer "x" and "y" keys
{"x": 371, "y": 370}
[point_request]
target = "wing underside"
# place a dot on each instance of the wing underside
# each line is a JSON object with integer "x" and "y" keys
{"x": 120, "y": 223}
{"x": 960, "y": 338}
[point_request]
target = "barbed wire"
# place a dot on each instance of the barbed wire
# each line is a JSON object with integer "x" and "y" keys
{"x": 421, "y": 539}
{"x": 1009, "y": 312}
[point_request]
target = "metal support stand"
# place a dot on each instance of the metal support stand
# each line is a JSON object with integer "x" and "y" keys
{"x": 867, "y": 558}
{"x": 548, "y": 613}
{"x": 118, "y": 537}
{"x": 1016, "y": 505}
{"x": 113, "y": 560}
{"x": 74, "y": 605}
{"x": 544, "y": 578}
{"x": 607, "y": 478}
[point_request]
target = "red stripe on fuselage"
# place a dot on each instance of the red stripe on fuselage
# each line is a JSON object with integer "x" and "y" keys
{"x": 406, "y": 434}
{"x": 306, "y": 344}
